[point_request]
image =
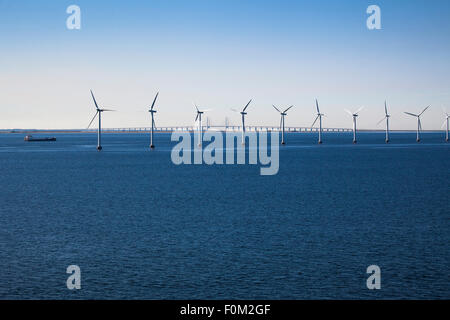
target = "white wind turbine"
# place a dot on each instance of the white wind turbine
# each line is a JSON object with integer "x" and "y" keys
{"x": 419, "y": 123}
{"x": 243, "y": 113}
{"x": 354, "y": 116}
{"x": 447, "y": 116}
{"x": 319, "y": 117}
{"x": 283, "y": 114}
{"x": 200, "y": 126}
{"x": 387, "y": 116}
{"x": 152, "y": 112}
{"x": 99, "y": 113}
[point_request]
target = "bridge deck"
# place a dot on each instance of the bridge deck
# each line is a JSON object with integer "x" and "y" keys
{"x": 223, "y": 128}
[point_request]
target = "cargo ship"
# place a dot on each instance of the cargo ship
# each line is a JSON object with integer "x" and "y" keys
{"x": 32, "y": 139}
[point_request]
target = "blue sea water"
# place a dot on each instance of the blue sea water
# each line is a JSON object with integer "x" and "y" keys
{"x": 141, "y": 227}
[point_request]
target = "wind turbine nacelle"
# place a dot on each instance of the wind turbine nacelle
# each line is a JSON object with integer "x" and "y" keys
{"x": 244, "y": 113}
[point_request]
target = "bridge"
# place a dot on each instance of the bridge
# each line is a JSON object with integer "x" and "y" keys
{"x": 222, "y": 128}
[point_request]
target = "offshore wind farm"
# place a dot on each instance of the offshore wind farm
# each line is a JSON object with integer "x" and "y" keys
{"x": 199, "y": 126}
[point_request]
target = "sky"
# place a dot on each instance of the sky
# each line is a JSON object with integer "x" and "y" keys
{"x": 220, "y": 54}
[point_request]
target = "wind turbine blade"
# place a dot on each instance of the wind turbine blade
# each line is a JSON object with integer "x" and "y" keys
{"x": 317, "y": 118}
{"x": 196, "y": 107}
{"x": 154, "y": 124}
{"x": 92, "y": 120}
{"x": 420, "y": 124}
{"x": 196, "y": 118}
{"x": 317, "y": 106}
{"x": 108, "y": 110}
{"x": 247, "y": 105}
{"x": 444, "y": 124}
{"x": 281, "y": 122}
{"x": 359, "y": 110}
{"x": 154, "y": 101}
{"x": 276, "y": 108}
{"x": 381, "y": 121}
{"x": 424, "y": 111}
{"x": 234, "y": 110}
{"x": 288, "y": 109}
{"x": 96, "y": 105}
{"x": 385, "y": 108}
{"x": 411, "y": 114}
{"x": 348, "y": 111}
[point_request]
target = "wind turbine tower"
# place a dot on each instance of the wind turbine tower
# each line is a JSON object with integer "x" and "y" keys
{"x": 283, "y": 115}
{"x": 152, "y": 112}
{"x": 447, "y": 116}
{"x": 243, "y": 114}
{"x": 387, "y": 116}
{"x": 319, "y": 117}
{"x": 419, "y": 123}
{"x": 98, "y": 112}
{"x": 354, "y": 116}
{"x": 200, "y": 126}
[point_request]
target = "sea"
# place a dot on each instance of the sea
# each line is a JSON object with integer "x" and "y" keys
{"x": 141, "y": 227}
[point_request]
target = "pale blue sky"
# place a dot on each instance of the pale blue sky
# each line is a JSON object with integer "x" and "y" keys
{"x": 221, "y": 53}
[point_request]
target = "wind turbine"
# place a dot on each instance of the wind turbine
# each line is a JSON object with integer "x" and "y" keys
{"x": 283, "y": 114}
{"x": 200, "y": 127}
{"x": 152, "y": 112}
{"x": 387, "y": 121}
{"x": 319, "y": 117}
{"x": 447, "y": 116}
{"x": 243, "y": 113}
{"x": 354, "y": 115}
{"x": 99, "y": 113}
{"x": 419, "y": 123}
